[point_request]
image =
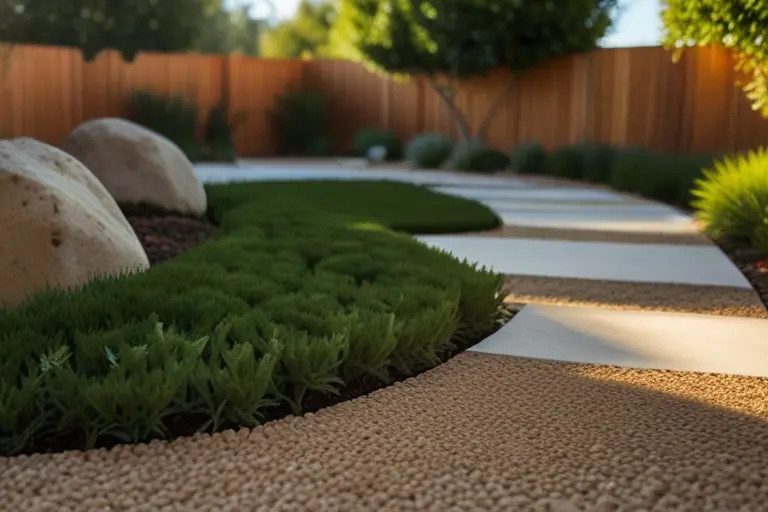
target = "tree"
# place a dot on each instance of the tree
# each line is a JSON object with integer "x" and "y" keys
{"x": 446, "y": 40}
{"x": 128, "y": 26}
{"x": 305, "y": 35}
{"x": 741, "y": 26}
{"x": 230, "y": 31}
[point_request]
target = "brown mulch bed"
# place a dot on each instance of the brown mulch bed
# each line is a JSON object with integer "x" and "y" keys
{"x": 747, "y": 258}
{"x": 166, "y": 236}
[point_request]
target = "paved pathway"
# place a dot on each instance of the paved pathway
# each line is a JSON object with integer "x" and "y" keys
{"x": 511, "y": 425}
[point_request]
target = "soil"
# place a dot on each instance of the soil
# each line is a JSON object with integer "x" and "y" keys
{"x": 747, "y": 258}
{"x": 166, "y": 236}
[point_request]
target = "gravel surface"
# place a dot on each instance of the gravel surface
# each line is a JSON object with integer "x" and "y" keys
{"x": 165, "y": 237}
{"x": 480, "y": 432}
{"x": 589, "y": 235}
{"x": 711, "y": 300}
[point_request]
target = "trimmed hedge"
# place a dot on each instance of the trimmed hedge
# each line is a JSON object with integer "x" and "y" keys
{"x": 474, "y": 156}
{"x": 306, "y": 287}
{"x": 529, "y": 158}
{"x": 429, "y": 150}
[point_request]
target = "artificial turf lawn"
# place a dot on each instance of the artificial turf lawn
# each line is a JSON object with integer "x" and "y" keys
{"x": 306, "y": 286}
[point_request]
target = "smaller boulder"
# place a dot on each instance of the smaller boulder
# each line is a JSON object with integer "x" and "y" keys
{"x": 138, "y": 165}
{"x": 59, "y": 227}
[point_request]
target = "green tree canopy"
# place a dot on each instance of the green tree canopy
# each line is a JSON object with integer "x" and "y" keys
{"x": 230, "y": 31}
{"x": 741, "y": 26}
{"x": 445, "y": 40}
{"x": 128, "y": 26}
{"x": 305, "y": 35}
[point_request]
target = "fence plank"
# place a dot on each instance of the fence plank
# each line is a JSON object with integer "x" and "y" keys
{"x": 627, "y": 96}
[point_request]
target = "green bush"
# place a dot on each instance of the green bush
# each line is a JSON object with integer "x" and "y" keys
{"x": 474, "y": 156}
{"x": 597, "y": 162}
{"x": 429, "y": 150}
{"x": 567, "y": 162}
{"x": 301, "y": 124}
{"x": 305, "y": 287}
{"x": 731, "y": 198}
{"x": 219, "y": 136}
{"x": 667, "y": 178}
{"x": 366, "y": 138}
{"x": 173, "y": 117}
{"x": 529, "y": 158}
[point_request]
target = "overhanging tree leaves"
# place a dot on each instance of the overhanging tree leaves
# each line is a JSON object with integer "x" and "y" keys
{"x": 304, "y": 35}
{"x": 128, "y": 26}
{"x": 741, "y": 26}
{"x": 446, "y": 40}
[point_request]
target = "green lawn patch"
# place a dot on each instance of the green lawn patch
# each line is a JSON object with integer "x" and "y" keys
{"x": 306, "y": 287}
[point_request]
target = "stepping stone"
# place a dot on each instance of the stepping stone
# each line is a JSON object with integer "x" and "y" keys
{"x": 535, "y": 194}
{"x": 635, "y": 339}
{"x": 269, "y": 171}
{"x": 660, "y": 263}
{"x": 624, "y": 218}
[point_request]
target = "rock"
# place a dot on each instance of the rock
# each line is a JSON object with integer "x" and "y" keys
{"x": 59, "y": 227}
{"x": 138, "y": 165}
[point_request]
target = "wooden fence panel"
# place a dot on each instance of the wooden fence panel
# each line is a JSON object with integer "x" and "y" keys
{"x": 625, "y": 96}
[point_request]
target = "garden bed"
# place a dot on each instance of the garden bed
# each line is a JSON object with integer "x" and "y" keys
{"x": 748, "y": 260}
{"x": 305, "y": 290}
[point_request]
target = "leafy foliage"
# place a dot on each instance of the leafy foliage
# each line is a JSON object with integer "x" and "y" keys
{"x": 304, "y": 289}
{"x": 128, "y": 26}
{"x": 219, "y": 135}
{"x": 366, "y": 138}
{"x": 597, "y": 162}
{"x": 529, "y": 158}
{"x": 667, "y": 178}
{"x": 739, "y": 26}
{"x": 566, "y": 162}
{"x": 230, "y": 30}
{"x": 477, "y": 157}
{"x": 173, "y": 117}
{"x": 304, "y": 35}
{"x": 448, "y": 39}
{"x": 732, "y": 198}
{"x": 301, "y": 123}
{"x": 429, "y": 150}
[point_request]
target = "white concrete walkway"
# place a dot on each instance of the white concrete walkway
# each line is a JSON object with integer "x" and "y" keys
{"x": 640, "y": 339}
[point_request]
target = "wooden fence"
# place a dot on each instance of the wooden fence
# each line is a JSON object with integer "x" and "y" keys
{"x": 631, "y": 97}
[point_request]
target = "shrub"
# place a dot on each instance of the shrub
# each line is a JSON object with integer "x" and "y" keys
{"x": 667, "y": 178}
{"x": 597, "y": 162}
{"x": 567, "y": 162}
{"x": 301, "y": 123}
{"x": 366, "y": 138}
{"x": 475, "y": 156}
{"x": 429, "y": 150}
{"x": 305, "y": 287}
{"x": 219, "y": 135}
{"x": 173, "y": 117}
{"x": 529, "y": 158}
{"x": 731, "y": 198}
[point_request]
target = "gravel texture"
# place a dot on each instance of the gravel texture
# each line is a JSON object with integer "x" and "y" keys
{"x": 166, "y": 236}
{"x": 752, "y": 263}
{"x": 588, "y": 235}
{"x": 481, "y": 432}
{"x": 711, "y": 300}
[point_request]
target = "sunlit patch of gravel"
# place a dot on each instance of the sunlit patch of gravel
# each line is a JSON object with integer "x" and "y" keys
{"x": 480, "y": 432}
{"x": 684, "y": 298}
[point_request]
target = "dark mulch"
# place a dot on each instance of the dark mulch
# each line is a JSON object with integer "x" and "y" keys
{"x": 166, "y": 236}
{"x": 747, "y": 258}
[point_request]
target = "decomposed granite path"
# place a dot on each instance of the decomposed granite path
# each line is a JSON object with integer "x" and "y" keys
{"x": 567, "y": 408}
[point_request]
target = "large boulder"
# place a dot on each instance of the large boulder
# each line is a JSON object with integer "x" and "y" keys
{"x": 59, "y": 227}
{"x": 138, "y": 165}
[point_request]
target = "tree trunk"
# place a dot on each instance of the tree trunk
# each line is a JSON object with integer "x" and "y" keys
{"x": 447, "y": 94}
{"x": 490, "y": 114}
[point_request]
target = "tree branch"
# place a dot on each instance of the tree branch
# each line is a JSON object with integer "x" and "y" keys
{"x": 493, "y": 108}
{"x": 449, "y": 98}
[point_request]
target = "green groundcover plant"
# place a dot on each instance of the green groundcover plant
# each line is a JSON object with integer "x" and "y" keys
{"x": 732, "y": 198}
{"x": 306, "y": 287}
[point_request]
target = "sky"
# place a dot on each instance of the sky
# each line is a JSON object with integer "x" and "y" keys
{"x": 639, "y": 23}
